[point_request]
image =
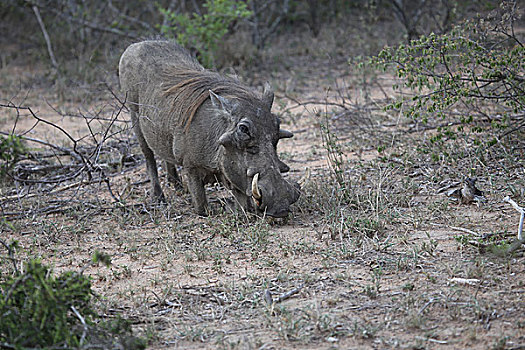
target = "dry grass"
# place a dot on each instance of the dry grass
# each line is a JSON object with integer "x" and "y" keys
{"x": 374, "y": 256}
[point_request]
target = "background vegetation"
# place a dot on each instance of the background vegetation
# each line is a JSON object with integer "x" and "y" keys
{"x": 393, "y": 102}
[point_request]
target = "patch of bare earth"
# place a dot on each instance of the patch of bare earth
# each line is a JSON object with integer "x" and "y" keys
{"x": 392, "y": 264}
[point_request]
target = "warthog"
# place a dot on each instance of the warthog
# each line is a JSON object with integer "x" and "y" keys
{"x": 213, "y": 126}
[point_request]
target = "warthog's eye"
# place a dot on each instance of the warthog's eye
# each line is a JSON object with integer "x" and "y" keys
{"x": 244, "y": 129}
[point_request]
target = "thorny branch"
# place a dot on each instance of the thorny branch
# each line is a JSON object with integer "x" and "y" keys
{"x": 92, "y": 157}
{"x": 75, "y": 143}
{"x": 348, "y": 111}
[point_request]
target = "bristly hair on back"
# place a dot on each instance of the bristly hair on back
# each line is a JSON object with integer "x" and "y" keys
{"x": 190, "y": 88}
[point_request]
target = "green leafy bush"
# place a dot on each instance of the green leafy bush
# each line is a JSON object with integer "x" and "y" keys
{"x": 36, "y": 308}
{"x": 40, "y": 310}
{"x": 203, "y": 33}
{"x": 476, "y": 71}
{"x": 11, "y": 148}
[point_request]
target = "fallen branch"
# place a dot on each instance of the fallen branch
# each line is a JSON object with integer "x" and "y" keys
{"x": 468, "y": 281}
{"x": 287, "y": 295}
{"x": 85, "y": 162}
{"x": 465, "y": 230}
{"x": 60, "y": 207}
{"x": 100, "y": 155}
{"x": 64, "y": 150}
{"x": 60, "y": 189}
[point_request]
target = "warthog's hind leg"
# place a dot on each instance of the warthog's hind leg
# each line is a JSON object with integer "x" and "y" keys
{"x": 173, "y": 176}
{"x": 151, "y": 164}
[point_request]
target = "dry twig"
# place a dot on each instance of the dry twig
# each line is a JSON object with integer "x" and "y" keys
{"x": 522, "y": 216}
{"x": 268, "y": 298}
{"x": 46, "y": 37}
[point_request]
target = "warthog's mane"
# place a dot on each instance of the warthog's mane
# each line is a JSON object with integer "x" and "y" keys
{"x": 189, "y": 89}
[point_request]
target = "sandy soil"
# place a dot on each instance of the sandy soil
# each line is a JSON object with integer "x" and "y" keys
{"x": 395, "y": 265}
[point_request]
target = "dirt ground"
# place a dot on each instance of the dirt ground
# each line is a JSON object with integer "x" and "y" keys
{"x": 389, "y": 263}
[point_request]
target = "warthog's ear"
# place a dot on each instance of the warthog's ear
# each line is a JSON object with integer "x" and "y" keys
{"x": 283, "y": 168}
{"x": 268, "y": 94}
{"x": 285, "y": 134}
{"x": 220, "y": 102}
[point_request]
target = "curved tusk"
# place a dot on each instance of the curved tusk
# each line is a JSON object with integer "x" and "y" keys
{"x": 255, "y": 187}
{"x": 303, "y": 180}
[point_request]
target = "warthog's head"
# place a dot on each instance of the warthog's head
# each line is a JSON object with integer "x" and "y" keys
{"x": 250, "y": 164}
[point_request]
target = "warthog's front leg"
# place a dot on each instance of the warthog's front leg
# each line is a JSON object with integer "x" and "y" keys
{"x": 151, "y": 164}
{"x": 198, "y": 194}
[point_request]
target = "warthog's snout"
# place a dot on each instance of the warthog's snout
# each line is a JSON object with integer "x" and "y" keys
{"x": 274, "y": 196}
